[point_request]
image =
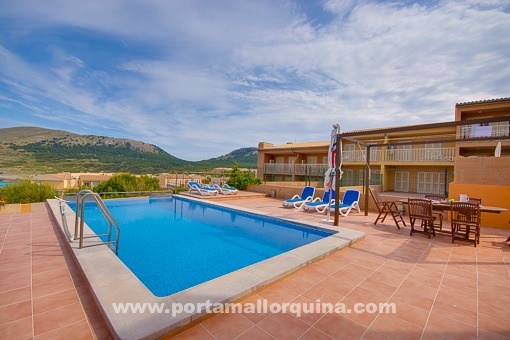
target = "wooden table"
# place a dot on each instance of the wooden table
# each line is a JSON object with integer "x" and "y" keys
{"x": 483, "y": 208}
{"x": 445, "y": 206}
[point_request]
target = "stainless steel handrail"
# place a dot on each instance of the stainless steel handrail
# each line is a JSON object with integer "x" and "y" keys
{"x": 79, "y": 220}
{"x": 62, "y": 205}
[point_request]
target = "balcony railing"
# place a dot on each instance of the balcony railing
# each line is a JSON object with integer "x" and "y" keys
{"x": 432, "y": 155}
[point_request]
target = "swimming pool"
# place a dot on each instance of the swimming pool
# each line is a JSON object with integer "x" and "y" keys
{"x": 174, "y": 243}
{"x": 112, "y": 282}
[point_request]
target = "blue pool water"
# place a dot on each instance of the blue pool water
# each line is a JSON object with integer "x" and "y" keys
{"x": 172, "y": 244}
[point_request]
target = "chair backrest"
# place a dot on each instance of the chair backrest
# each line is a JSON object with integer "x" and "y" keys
{"x": 193, "y": 184}
{"x": 475, "y": 200}
{"x": 377, "y": 199}
{"x": 465, "y": 213}
{"x": 308, "y": 191}
{"x": 420, "y": 208}
{"x": 351, "y": 196}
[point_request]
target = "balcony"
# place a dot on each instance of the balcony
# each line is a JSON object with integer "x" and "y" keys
{"x": 432, "y": 155}
{"x": 392, "y": 156}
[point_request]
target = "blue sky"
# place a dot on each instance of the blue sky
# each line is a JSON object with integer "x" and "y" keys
{"x": 201, "y": 78}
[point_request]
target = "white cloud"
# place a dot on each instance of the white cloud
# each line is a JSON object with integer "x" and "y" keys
{"x": 199, "y": 79}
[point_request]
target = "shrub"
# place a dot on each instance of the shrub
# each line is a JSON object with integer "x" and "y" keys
{"x": 26, "y": 192}
{"x": 241, "y": 179}
{"x": 127, "y": 183}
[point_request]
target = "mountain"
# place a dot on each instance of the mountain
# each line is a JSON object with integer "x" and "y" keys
{"x": 32, "y": 150}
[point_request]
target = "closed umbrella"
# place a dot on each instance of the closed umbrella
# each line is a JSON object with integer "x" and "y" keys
{"x": 497, "y": 152}
{"x": 329, "y": 177}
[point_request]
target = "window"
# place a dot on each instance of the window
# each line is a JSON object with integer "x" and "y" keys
{"x": 375, "y": 177}
{"x": 429, "y": 182}
{"x": 500, "y": 129}
{"x": 348, "y": 177}
{"x": 402, "y": 181}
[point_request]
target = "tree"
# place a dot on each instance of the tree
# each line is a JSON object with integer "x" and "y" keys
{"x": 241, "y": 179}
{"x": 26, "y": 192}
{"x": 128, "y": 183}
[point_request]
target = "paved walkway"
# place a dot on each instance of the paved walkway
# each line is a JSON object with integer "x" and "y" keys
{"x": 42, "y": 293}
{"x": 440, "y": 290}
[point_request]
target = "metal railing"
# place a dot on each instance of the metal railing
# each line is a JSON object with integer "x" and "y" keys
{"x": 79, "y": 220}
{"x": 62, "y": 206}
{"x": 395, "y": 155}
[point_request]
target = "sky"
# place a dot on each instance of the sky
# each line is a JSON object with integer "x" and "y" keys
{"x": 200, "y": 78}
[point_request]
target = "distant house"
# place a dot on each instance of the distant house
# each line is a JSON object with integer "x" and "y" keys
{"x": 67, "y": 180}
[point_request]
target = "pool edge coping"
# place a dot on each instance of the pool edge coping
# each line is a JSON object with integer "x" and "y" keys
{"x": 111, "y": 281}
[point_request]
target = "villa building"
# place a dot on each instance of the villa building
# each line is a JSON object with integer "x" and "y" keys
{"x": 402, "y": 160}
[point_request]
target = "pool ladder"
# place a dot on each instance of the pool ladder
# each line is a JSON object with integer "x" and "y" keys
{"x": 79, "y": 220}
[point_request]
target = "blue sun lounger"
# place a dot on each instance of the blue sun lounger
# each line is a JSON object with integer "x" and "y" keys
{"x": 297, "y": 201}
{"x": 194, "y": 186}
{"x": 350, "y": 201}
{"x": 320, "y": 205}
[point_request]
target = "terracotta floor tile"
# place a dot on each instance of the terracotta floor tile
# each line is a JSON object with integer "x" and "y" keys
{"x": 365, "y": 296}
{"x": 487, "y": 335}
{"x": 255, "y": 332}
{"x": 52, "y": 287}
{"x": 57, "y": 318}
{"x": 227, "y": 326}
{"x": 54, "y": 301}
{"x": 362, "y": 317}
{"x": 283, "y": 326}
{"x": 15, "y": 295}
{"x": 43, "y": 264}
{"x": 450, "y": 328}
{"x": 339, "y": 327}
{"x": 495, "y": 323}
{"x": 252, "y": 300}
{"x": 309, "y": 311}
{"x": 277, "y": 293}
{"x": 17, "y": 329}
{"x": 387, "y": 261}
{"x": 314, "y": 334}
{"x": 455, "y": 312}
{"x": 322, "y": 294}
{"x": 337, "y": 285}
{"x": 80, "y": 330}
{"x": 50, "y": 275}
{"x": 465, "y": 299}
{"x": 493, "y": 305}
{"x": 387, "y": 279}
{"x": 15, "y": 311}
{"x": 295, "y": 283}
{"x": 394, "y": 327}
{"x": 372, "y": 335}
{"x": 370, "y": 262}
{"x": 13, "y": 261}
{"x": 312, "y": 275}
{"x": 414, "y": 315}
{"x": 353, "y": 273}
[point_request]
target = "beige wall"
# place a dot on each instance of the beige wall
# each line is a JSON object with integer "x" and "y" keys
{"x": 487, "y": 178}
{"x": 482, "y": 170}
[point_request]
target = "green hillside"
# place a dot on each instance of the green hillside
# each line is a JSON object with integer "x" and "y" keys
{"x": 31, "y": 150}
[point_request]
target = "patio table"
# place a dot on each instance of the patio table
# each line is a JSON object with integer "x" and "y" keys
{"x": 446, "y": 206}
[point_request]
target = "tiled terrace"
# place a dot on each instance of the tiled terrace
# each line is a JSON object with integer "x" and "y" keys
{"x": 440, "y": 290}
